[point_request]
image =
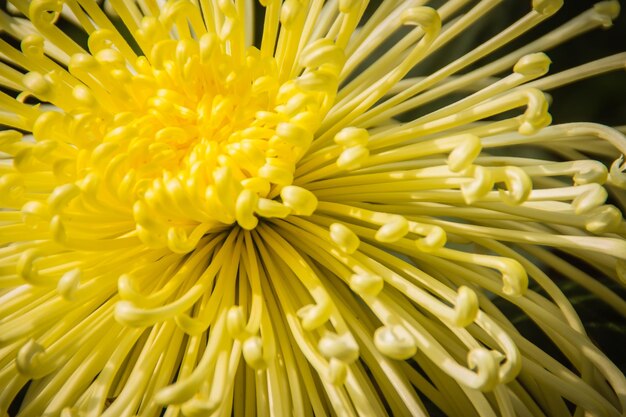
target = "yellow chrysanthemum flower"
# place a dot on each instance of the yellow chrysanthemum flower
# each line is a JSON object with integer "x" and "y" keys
{"x": 194, "y": 226}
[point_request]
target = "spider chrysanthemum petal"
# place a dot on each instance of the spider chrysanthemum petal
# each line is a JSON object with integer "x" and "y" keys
{"x": 191, "y": 225}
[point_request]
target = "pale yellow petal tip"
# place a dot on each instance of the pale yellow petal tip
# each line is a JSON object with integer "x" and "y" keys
{"x": 518, "y": 186}
{"x": 464, "y": 154}
{"x": 235, "y": 322}
{"x": 426, "y": 17}
{"x": 342, "y": 347}
{"x": 314, "y": 315}
{"x": 514, "y": 278}
{"x": 466, "y": 307}
{"x": 352, "y": 136}
{"x": 343, "y": 237}
{"x": 245, "y": 207}
{"x": 299, "y": 200}
{"x": 393, "y": 230}
{"x": 353, "y": 157}
{"x": 485, "y": 363}
{"x": 320, "y": 52}
{"x": 607, "y": 11}
{"x": 536, "y": 64}
{"x": 69, "y": 283}
{"x": 366, "y": 285}
{"x": 604, "y": 219}
{"x": 254, "y": 353}
{"x": 395, "y": 341}
{"x": 547, "y": 7}
{"x": 434, "y": 239}
{"x": 617, "y": 173}
{"x": 28, "y": 359}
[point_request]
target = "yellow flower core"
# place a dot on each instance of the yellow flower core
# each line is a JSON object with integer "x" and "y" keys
{"x": 193, "y": 141}
{"x": 192, "y": 225}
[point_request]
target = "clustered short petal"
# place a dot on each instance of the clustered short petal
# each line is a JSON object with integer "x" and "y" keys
{"x": 191, "y": 225}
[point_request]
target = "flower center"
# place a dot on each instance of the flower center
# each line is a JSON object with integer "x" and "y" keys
{"x": 200, "y": 137}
